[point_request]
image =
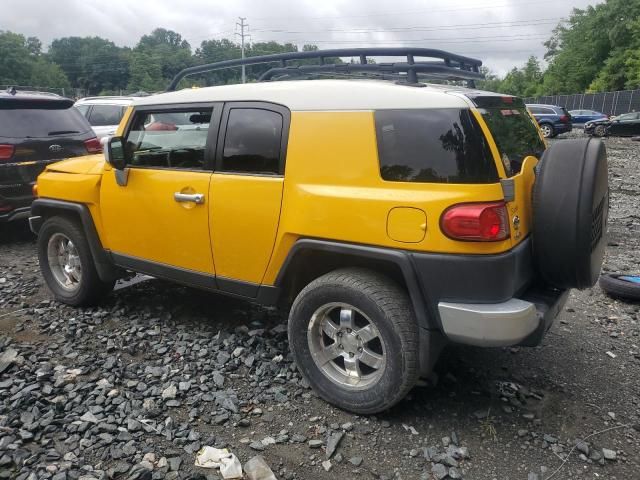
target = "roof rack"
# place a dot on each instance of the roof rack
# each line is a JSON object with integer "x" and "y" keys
{"x": 451, "y": 66}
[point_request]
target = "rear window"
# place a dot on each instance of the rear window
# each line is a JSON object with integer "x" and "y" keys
{"x": 513, "y": 130}
{"x": 105, "y": 115}
{"x": 36, "y": 122}
{"x": 433, "y": 146}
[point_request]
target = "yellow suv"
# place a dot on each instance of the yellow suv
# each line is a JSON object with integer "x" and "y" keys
{"x": 389, "y": 217}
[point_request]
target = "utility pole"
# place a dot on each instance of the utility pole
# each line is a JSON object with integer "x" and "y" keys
{"x": 242, "y": 26}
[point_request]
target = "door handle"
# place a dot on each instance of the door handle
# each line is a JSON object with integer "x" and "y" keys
{"x": 197, "y": 198}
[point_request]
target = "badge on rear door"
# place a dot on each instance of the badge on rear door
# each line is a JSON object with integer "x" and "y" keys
{"x": 55, "y": 148}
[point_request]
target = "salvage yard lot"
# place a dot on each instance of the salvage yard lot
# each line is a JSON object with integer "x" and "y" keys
{"x": 161, "y": 370}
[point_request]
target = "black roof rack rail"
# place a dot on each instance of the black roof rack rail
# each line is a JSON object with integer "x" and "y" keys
{"x": 452, "y": 66}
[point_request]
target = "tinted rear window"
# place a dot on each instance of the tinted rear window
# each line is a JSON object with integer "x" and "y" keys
{"x": 434, "y": 146}
{"x": 513, "y": 130}
{"x": 105, "y": 115}
{"x": 36, "y": 122}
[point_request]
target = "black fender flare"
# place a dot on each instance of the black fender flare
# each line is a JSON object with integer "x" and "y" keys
{"x": 47, "y": 207}
{"x": 396, "y": 257}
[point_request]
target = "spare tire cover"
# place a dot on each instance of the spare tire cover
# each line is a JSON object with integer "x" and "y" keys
{"x": 570, "y": 210}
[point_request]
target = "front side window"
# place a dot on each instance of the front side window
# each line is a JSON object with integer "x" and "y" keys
{"x": 433, "y": 146}
{"x": 105, "y": 115}
{"x": 252, "y": 142}
{"x": 173, "y": 139}
{"x": 514, "y": 131}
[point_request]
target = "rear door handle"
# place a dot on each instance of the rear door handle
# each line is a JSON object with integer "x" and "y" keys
{"x": 197, "y": 198}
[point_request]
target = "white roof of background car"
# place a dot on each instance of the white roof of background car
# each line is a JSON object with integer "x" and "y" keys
{"x": 106, "y": 100}
{"x": 317, "y": 95}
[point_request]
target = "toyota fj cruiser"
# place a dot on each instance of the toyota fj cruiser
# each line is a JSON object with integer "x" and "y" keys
{"x": 390, "y": 217}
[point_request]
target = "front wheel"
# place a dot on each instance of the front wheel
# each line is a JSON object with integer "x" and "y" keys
{"x": 67, "y": 264}
{"x": 600, "y": 131}
{"x": 354, "y": 337}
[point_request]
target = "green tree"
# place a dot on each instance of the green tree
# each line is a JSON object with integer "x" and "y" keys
{"x": 168, "y": 49}
{"x": 91, "y": 63}
{"x": 15, "y": 63}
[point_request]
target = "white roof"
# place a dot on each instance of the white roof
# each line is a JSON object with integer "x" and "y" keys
{"x": 105, "y": 101}
{"x": 301, "y": 95}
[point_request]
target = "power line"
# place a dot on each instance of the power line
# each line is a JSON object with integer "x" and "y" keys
{"x": 507, "y": 24}
{"x": 412, "y": 12}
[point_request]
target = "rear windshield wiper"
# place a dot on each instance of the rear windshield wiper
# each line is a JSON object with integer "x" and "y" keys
{"x": 62, "y": 132}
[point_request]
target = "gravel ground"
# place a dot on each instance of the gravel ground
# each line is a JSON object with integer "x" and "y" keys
{"x": 135, "y": 388}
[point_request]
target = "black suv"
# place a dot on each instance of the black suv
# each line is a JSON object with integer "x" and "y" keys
{"x": 36, "y": 129}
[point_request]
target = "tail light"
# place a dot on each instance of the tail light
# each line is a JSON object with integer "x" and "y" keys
{"x": 476, "y": 222}
{"x": 34, "y": 190}
{"x": 564, "y": 118}
{"x": 6, "y": 152}
{"x": 93, "y": 145}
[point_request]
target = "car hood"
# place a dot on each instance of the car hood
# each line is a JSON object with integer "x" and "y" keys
{"x": 88, "y": 165}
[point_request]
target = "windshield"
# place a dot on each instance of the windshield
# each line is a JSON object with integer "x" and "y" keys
{"x": 513, "y": 130}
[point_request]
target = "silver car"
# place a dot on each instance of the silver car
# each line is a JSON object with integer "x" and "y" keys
{"x": 104, "y": 113}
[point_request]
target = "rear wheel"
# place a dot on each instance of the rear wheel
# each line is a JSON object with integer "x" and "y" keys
{"x": 67, "y": 264}
{"x": 547, "y": 130}
{"x": 354, "y": 338}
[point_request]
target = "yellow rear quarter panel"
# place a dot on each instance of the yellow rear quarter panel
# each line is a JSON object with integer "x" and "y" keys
{"x": 333, "y": 190}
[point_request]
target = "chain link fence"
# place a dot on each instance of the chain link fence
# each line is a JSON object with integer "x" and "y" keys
{"x": 611, "y": 103}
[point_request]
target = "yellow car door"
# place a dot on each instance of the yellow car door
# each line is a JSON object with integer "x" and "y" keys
{"x": 155, "y": 214}
{"x": 246, "y": 193}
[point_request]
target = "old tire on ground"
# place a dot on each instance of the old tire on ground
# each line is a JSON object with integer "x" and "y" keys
{"x": 570, "y": 209}
{"x": 67, "y": 264}
{"x": 619, "y": 287}
{"x": 354, "y": 337}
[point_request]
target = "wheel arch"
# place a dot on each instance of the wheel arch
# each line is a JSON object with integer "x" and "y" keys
{"x": 312, "y": 258}
{"x": 43, "y": 208}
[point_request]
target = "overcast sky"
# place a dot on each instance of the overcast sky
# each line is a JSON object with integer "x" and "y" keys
{"x": 502, "y": 33}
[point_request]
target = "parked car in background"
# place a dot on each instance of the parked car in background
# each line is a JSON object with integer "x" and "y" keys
{"x": 580, "y": 117}
{"x": 104, "y": 113}
{"x": 625, "y": 125}
{"x": 553, "y": 120}
{"x": 36, "y": 129}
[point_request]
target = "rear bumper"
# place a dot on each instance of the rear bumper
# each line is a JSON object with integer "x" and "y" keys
{"x": 487, "y": 300}
{"x": 513, "y": 322}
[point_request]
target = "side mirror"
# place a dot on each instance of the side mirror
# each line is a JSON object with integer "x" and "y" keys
{"x": 114, "y": 153}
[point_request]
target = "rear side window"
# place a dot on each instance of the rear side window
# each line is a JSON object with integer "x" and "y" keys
{"x": 252, "y": 141}
{"x": 105, "y": 115}
{"x": 433, "y": 146}
{"x": 39, "y": 123}
{"x": 514, "y": 131}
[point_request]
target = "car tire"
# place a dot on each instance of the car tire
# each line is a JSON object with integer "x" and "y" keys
{"x": 354, "y": 337}
{"x": 616, "y": 286}
{"x": 600, "y": 131}
{"x": 570, "y": 210}
{"x": 547, "y": 130}
{"x": 67, "y": 264}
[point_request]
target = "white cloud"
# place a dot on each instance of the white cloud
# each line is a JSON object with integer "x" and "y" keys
{"x": 503, "y": 33}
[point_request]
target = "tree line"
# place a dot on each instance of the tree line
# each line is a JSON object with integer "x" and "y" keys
{"x": 595, "y": 49}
